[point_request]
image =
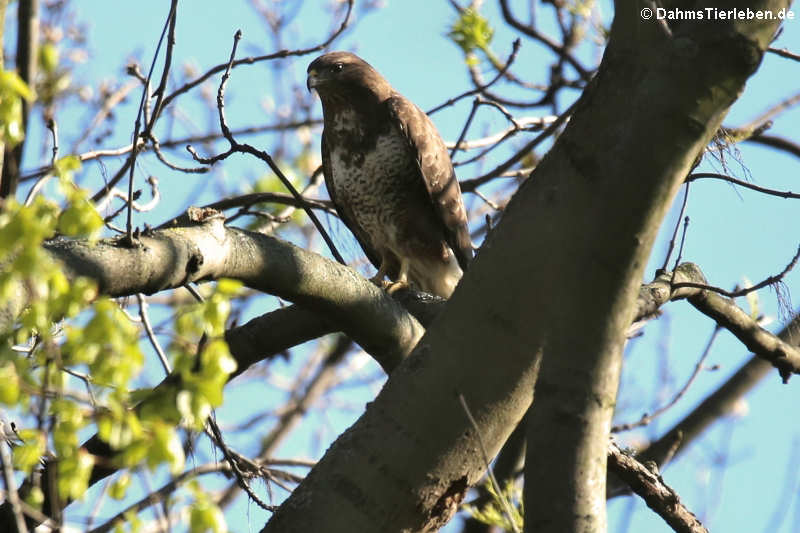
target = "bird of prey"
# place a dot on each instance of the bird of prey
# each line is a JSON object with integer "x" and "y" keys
{"x": 390, "y": 177}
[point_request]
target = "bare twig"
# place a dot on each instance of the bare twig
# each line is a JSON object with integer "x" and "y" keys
{"x": 139, "y": 115}
{"x": 162, "y": 86}
{"x": 647, "y": 418}
{"x": 235, "y": 146}
{"x": 675, "y": 232}
{"x": 217, "y": 437}
{"x": 771, "y": 280}
{"x": 532, "y": 32}
{"x": 109, "y": 104}
{"x": 140, "y": 298}
{"x": 483, "y": 87}
{"x": 723, "y": 177}
{"x": 475, "y": 104}
{"x": 159, "y": 495}
{"x": 53, "y": 127}
{"x": 680, "y": 248}
{"x": 657, "y": 495}
{"x": 783, "y": 52}
{"x": 11, "y": 489}
{"x": 250, "y": 60}
{"x": 503, "y": 167}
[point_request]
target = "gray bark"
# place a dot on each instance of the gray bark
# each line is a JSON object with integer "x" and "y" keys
{"x": 207, "y": 250}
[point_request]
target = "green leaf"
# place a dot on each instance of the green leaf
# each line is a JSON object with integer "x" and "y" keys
{"x": 9, "y": 383}
{"x": 471, "y": 31}
{"x": 27, "y": 454}
{"x": 73, "y": 474}
{"x": 35, "y": 498}
{"x": 10, "y": 82}
{"x": 12, "y": 91}
{"x": 166, "y": 447}
{"x": 118, "y": 489}
{"x": 48, "y": 57}
{"x": 205, "y": 515}
{"x": 66, "y": 166}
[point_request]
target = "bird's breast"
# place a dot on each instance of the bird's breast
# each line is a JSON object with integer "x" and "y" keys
{"x": 378, "y": 180}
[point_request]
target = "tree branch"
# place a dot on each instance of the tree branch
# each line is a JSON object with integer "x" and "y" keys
{"x": 651, "y": 487}
{"x": 206, "y": 249}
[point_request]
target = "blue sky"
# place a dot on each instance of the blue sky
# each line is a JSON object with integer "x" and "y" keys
{"x": 734, "y": 233}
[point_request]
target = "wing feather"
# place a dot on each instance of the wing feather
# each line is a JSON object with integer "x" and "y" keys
{"x": 436, "y": 170}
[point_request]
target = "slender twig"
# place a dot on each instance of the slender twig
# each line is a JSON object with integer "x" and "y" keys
{"x": 194, "y": 292}
{"x": 649, "y": 417}
{"x": 723, "y": 177}
{"x": 487, "y": 201}
{"x": 250, "y": 60}
{"x": 159, "y": 495}
{"x": 235, "y": 146}
{"x": 503, "y": 167}
{"x": 773, "y": 141}
{"x": 522, "y": 124}
{"x": 140, "y": 208}
{"x": 87, "y": 382}
{"x": 172, "y": 143}
{"x": 251, "y": 199}
{"x": 548, "y": 98}
{"x": 212, "y": 424}
{"x": 11, "y": 489}
{"x": 680, "y": 248}
{"x": 475, "y": 104}
{"x": 771, "y": 280}
{"x": 138, "y": 124}
{"x": 557, "y": 48}
{"x": 481, "y": 88}
{"x": 151, "y": 334}
{"x": 162, "y": 86}
{"x": 783, "y": 52}
{"x": 161, "y": 157}
{"x": 675, "y": 231}
{"x": 53, "y": 127}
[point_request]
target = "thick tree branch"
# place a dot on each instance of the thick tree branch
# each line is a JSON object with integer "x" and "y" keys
{"x": 686, "y": 283}
{"x": 207, "y": 250}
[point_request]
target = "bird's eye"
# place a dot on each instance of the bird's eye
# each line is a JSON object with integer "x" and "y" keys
{"x": 337, "y": 67}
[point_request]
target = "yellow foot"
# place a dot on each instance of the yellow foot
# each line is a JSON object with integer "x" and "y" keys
{"x": 391, "y": 288}
{"x": 378, "y": 280}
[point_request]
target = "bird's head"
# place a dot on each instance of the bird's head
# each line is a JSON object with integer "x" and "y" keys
{"x": 337, "y": 73}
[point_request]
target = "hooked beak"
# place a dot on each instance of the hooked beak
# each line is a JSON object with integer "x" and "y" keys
{"x": 313, "y": 80}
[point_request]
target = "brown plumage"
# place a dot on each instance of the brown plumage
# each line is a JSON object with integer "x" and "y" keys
{"x": 390, "y": 177}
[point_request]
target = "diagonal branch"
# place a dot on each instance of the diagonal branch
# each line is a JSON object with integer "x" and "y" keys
{"x": 651, "y": 487}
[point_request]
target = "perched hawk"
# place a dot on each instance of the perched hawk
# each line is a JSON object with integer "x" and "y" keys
{"x": 390, "y": 177}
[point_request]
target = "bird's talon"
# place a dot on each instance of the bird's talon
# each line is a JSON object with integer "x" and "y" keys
{"x": 392, "y": 288}
{"x": 378, "y": 281}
